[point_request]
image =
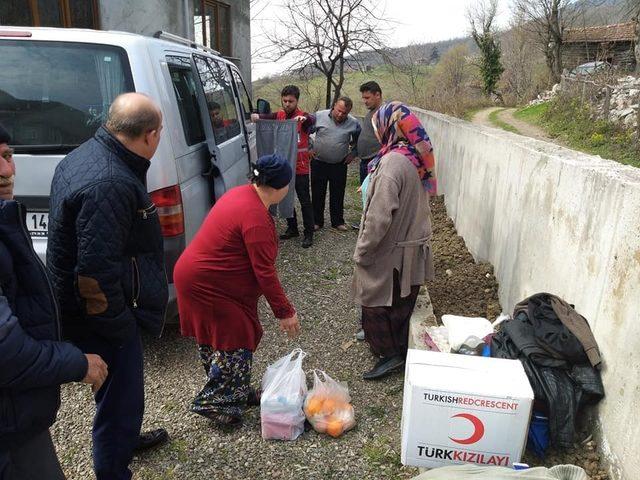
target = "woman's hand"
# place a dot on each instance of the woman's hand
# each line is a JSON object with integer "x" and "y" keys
{"x": 290, "y": 325}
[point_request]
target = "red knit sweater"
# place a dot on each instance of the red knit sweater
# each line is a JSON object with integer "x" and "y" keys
{"x": 225, "y": 269}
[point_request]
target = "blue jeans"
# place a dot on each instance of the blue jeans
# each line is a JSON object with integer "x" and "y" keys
{"x": 119, "y": 407}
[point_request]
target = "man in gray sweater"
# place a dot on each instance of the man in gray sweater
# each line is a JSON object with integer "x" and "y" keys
{"x": 335, "y": 147}
{"x": 368, "y": 144}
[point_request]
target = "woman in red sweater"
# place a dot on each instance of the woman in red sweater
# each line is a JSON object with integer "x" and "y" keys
{"x": 219, "y": 278}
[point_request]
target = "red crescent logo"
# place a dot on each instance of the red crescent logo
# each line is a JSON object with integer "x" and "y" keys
{"x": 478, "y": 429}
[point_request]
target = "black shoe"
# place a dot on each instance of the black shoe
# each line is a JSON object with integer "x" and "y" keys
{"x": 385, "y": 366}
{"x": 253, "y": 400}
{"x": 307, "y": 241}
{"x": 289, "y": 233}
{"x": 151, "y": 439}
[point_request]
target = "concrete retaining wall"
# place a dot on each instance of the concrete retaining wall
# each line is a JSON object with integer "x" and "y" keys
{"x": 555, "y": 220}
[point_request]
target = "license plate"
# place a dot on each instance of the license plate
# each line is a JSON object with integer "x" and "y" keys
{"x": 38, "y": 223}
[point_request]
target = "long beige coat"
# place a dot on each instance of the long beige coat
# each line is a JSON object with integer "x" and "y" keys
{"x": 395, "y": 233}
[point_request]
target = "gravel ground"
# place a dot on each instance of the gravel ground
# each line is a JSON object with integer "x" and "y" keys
{"x": 318, "y": 282}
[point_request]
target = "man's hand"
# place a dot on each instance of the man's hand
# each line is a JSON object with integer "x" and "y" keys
{"x": 300, "y": 118}
{"x": 348, "y": 159}
{"x": 290, "y": 325}
{"x": 96, "y": 372}
{"x": 255, "y": 117}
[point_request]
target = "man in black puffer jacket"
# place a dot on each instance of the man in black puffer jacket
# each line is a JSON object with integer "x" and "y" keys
{"x": 105, "y": 257}
{"x": 33, "y": 360}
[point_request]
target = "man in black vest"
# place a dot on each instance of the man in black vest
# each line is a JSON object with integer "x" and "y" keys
{"x": 33, "y": 360}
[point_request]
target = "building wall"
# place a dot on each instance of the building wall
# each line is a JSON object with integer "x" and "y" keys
{"x": 176, "y": 16}
{"x": 554, "y": 220}
{"x": 621, "y": 53}
{"x": 144, "y": 17}
{"x": 241, "y": 38}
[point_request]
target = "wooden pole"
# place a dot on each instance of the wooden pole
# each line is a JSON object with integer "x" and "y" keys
{"x": 607, "y": 102}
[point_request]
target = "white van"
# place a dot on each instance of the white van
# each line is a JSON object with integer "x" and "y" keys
{"x": 56, "y": 86}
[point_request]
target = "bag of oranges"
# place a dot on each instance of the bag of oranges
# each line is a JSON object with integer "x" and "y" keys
{"x": 328, "y": 406}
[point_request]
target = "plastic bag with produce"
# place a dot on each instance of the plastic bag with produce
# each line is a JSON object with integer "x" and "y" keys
{"x": 328, "y": 405}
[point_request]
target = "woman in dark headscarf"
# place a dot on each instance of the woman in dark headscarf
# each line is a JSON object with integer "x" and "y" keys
{"x": 219, "y": 278}
{"x": 393, "y": 252}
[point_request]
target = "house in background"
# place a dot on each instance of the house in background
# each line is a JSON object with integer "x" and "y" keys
{"x": 221, "y": 25}
{"x": 607, "y": 43}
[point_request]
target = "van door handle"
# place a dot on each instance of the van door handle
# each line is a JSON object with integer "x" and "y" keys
{"x": 245, "y": 147}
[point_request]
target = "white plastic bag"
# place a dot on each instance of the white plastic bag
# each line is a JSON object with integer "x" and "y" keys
{"x": 466, "y": 331}
{"x": 328, "y": 406}
{"x": 284, "y": 387}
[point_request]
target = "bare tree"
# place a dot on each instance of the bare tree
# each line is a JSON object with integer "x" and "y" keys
{"x": 324, "y": 35}
{"x": 450, "y": 82}
{"x": 518, "y": 62}
{"x": 411, "y": 62}
{"x": 481, "y": 18}
{"x": 548, "y": 19}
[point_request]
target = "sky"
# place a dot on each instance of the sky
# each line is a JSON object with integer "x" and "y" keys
{"x": 412, "y": 21}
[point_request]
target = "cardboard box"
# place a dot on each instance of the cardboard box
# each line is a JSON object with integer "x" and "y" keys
{"x": 463, "y": 409}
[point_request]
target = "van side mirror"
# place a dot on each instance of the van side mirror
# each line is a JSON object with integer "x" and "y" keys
{"x": 263, "y": 106}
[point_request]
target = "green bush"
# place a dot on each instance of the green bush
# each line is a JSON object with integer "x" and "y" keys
{"x": 573, "y": 122}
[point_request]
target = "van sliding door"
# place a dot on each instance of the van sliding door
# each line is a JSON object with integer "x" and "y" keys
{"x": 230, "y": 162}
{"x": 246, "y": 105}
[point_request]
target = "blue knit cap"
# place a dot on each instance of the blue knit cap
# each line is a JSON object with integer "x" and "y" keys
{"x": 273, "y": 170}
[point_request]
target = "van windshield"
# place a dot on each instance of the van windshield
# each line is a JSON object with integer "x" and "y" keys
{"x": 55, "y": 95}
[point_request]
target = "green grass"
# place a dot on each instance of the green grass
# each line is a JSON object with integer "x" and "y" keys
{"x": 572, "y": 124}
{"x": 533, "y": 114}
{"x": 495, "y": 119}
{"x": 380, "y": 452}
{"x": 395, "y": 86}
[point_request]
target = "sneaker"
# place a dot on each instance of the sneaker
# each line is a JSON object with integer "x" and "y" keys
{"x": 307, "y": 241}
{"x": 289, "y": 233}
{"x": 360, "y": 335}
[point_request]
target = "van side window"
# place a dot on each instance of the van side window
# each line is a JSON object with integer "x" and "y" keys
{"x": 245, "y": 99}
{"x": 54, "y": 95}
{"x": 220, "y": 99}
{"x": 184, "y": 87}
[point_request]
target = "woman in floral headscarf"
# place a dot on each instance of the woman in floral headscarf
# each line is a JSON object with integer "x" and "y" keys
{"x": 393, "y": 253}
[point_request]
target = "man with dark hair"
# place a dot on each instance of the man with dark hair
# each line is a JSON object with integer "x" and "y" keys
{"x": 335, "y": 147}
{"x": 34, "y": 362}
{"x": 368, "y": 144}
{"x": 105, "y": 255}
{"x": 290, "y": 95}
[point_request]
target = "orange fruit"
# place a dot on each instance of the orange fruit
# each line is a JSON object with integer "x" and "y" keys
{"x": 329, "y": 406}
{"x": 334, "y": 428}
{"x": 314, "y": 405}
